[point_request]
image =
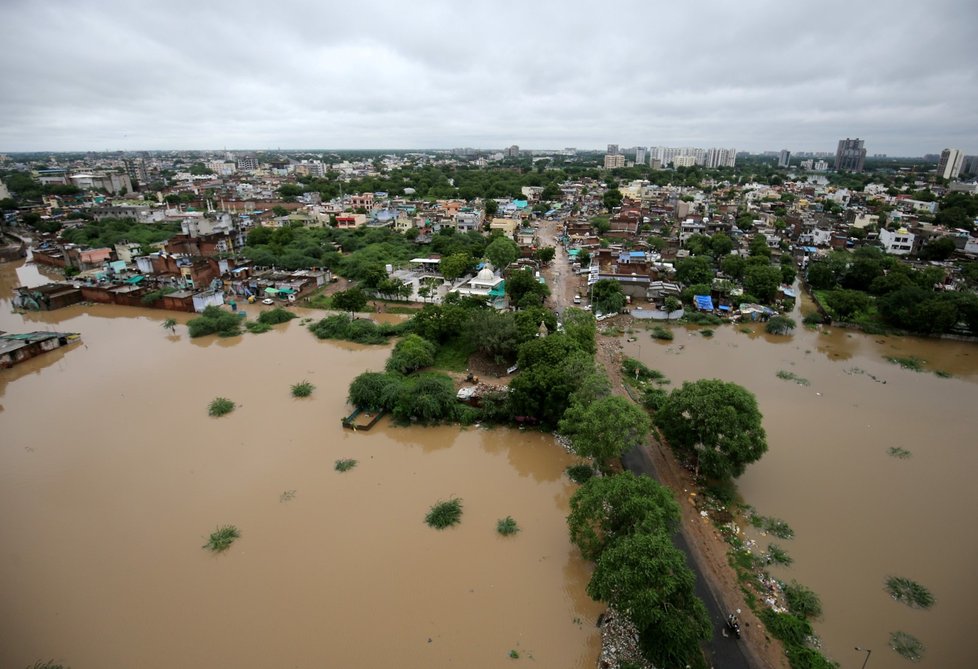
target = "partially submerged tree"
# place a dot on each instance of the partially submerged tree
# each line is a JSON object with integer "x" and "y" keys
{"x": 604, "y": 429}
{"x": 715, "y": 422}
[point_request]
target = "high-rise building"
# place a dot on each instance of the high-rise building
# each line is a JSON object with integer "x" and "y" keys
{"x": 612, "y": 149}
{"x": 640, "y": 155}
{"x": 850, "y": 156}
{"x": 949, "y": 166}
{"x": 613, "y": 160}
{"x": 513, "y": 151}
{"x": 784, "y": 158}
{"x": 970, "y": 165}
{"x": 247, "y": 163}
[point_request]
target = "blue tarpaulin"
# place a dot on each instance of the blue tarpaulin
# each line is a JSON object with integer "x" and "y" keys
{"x": 703, "y": 302}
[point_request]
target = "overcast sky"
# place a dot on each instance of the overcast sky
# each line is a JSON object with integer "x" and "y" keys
{"x": 209, "y": 74}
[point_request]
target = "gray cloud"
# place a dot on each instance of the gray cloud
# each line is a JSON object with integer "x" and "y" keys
{"x": 753, "y": 74}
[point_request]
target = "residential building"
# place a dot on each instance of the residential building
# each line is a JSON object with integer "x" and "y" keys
{"x": 111, "y": 182}
{"x": 682, "y": 161}
{"x": 137, "y": 171}
{"x": 247, "y": 163}
{"x": 4, "y": 193}
{"x": 613, "y": 160}
{"x": 613, "y": 150}
{"x": 512, "y": 152}
{"x": 898, "y": 243}
{"x": 640, "y": 155}
{"x": 949, "y": 166}
{"x": 850, "y": 156}
{"x": 969, "y": 165}
{"x": 784, "y": 158}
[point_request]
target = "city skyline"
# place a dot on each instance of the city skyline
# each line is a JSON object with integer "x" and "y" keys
{"x": 759, "y": 76}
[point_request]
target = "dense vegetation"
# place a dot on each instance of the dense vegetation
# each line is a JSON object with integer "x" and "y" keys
{"x": 111, "y": 231}
{"x": 215, "y": 320}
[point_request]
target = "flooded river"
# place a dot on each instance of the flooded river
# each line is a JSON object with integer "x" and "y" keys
{"x": 112, "y": 475}
{"x": 859, "y": 514}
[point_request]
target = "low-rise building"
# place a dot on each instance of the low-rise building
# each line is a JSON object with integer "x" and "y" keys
{"x": 899, "y": 242}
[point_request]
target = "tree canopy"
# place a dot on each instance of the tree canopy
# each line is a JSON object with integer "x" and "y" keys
{"x": 717, "y": 423}
{"x": 604, "y": 429}
{"x": 607, "y": 297}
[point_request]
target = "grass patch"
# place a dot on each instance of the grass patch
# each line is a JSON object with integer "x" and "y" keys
{"x": 746, "y": 330}
{"x": 222, "y": 538}
{"x": 790, "y": 629}
{"x": 778, "y": 555}
{"x": 907, "y": 646}
{"x": 909, "y": 592}
{"x": 659, "y": 332}
{"x": 302, "y": 389}
{"x": 507, "y": 526}
{"x": 699, "y": 318}
{"x": 319, "y": 301}
{"x": 706, "y": 332}
{"x": 580, "y": 473}
{"x": 453, "y": 356}
{"x": 345, "y": 465}
{"x": 912, "y": 363}
{"x": 791, "y": 376}
{"x": 255, "y": 327}
{"x": 898, "y": 452}
{"x": 444, "y": 514}
{"x": 774, "y": 526}
{"x": 220, "y": 406}
{"x": 802, "y": 601}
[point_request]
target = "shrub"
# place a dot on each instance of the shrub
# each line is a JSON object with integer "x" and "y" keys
{"x": 222, "y": 538}
{"x": 907, "y": 646}
{"x": 700, "y": 318}
{"x": 774, "y": 526}
{"x": 636, "y": 369}
{"x": 909, "y": 592}
{"x": 801, "y": 657}
{"x": 302, "y": 389}
{"x": 779, "y": 325}
{"x": 426, "y": 398}
{"x": 790, "y": 629}
{"x": 802, "y": 601}
{"x": 154, "y": 296}
{"x": 814, "y": 318}
{"x": 898, "y": 452}
{"x": 215, "y": 319}
{"x": 411, "y": 354}
{"x": 580, "y": 473}
{"x": 706, "y": 332}
{"x": 654, "y": 398}
{"x": 791, "y": 376}
{"x": 361, "y": 330}
{"x": 254, "y": 327}
{"x": 275, "y": 316}
{"x": 444, "y": 514}
{"x": 778, "y": 555}
{"x": 345, "y": 465}
{"x": 507, "y": 526}
{"x": 375, "y": 391}
{"x": 220, "y": 406}
{"x": 659, "y": 332}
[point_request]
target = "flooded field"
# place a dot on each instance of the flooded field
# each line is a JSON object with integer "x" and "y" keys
{"x": 112, "y": 475}
{"x": 859, "y": 514}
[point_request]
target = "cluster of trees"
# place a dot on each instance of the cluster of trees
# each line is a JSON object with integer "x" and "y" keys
{"x": 758, "y": 276}
{"x": 360, "y": 330}
{"x": 111, "y": 231}
{"x": 624, "y": 523}
{"x": 871, "y": 288}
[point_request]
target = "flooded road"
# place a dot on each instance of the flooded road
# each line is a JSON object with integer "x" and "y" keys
{"x": 112, "y": 475}
{"x": 859, "y": 514}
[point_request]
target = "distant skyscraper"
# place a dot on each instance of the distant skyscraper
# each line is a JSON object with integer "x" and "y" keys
{"x": 613, "y": 160}
{"x": 513, "y": 151}
{"x": 850, "y": 156}
{"x": 784, "y": 158}
{"x": 970, "y": 165}
{"x": 640, "y": 155}
{"x": 612, "y": 149}
{"x": 949, "y": 166}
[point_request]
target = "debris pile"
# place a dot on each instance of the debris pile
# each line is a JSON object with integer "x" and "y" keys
{"x": 619, "y": 642}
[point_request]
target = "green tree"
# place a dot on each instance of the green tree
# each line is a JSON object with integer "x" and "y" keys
{"x": 545, "y": 254}
{"x": 280, "y": 211}
{"x": 607, "y": 297}
{"x": 580, "y": 326}
{"x": 779, "y": 325}
{"x": 374, "y": 391}
{"x": 411, "y": 354}
{"x": 456, "y": 266}
{"x": 758, "y": 246}
{"x": 848, "y": 303}
{"x": 494, "y": 333}
{"x": 762, "y": 281}
{"x": 937, "y": 249}
{"x": 646, "y": 577}
{"x": 501, "y": 252}
{"x": 715, "y": 422}
{"x": 521, "y": 283}
{"x": 528, "y": 322}
{"x": 734, "y": 266}
{"x": 697, "y": 269}
{"x": 612, "y": 198}
{"x": 609, "y": 508}
{"x": 721, "y": 245}
{"x": 604, "y": 429}
{"x": 426, "y": 398}
{"x": 551, "y": 369}
{"x": 351, "y": 300}
{"x": 492, "y": 208}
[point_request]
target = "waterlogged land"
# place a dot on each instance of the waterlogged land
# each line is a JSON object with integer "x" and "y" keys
{"x": 860, "y": 513}
{"x": 112, "y": 476}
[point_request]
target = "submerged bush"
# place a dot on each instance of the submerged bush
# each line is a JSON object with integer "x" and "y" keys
{"x": 507, "y": 526}
{"x": 790, "y": 629}
{"x": 375, "y": 391}
{"x": 580, "y": 473}
{"x": 907, "y": 646}
{"x": 659, "y": 332}
{"x": 778, "y": 555}
{"x": 411, "y": 354}
{"x": 220, "y": 406}
{"x": 275, "y": 316}
{"x": 222, "y": 538}
{"x": 302, "y": 389}
{"x": 426, "y": 398}
{"x": 444, "y": 514}
{"x": 215, "y": 320}
{"x": 345, "y": 465}
{"x": 360, "y": 330}
{"x": 779, "y": 325}
{"x": 802, "y": 601}
{"x": 909, "y": 592}
{"x": 254, "y": 327}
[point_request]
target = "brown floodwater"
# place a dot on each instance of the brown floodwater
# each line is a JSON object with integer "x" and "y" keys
{"x": 112, "y": 475}
{"x": 859, "y": 514}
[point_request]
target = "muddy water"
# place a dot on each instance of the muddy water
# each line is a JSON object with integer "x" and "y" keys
{"x": 112, "y": 475}
{"x": 859, "y": 514}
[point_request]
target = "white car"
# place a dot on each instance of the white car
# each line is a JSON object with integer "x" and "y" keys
{"x": 268, "y": 300}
